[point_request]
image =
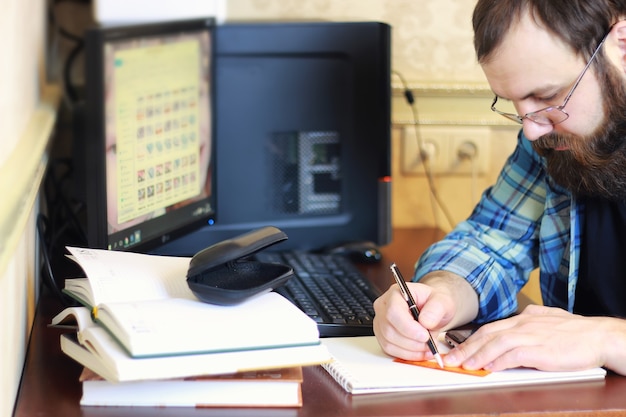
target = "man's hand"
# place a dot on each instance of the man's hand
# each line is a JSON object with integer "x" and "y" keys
{"x": 545, "y": 338}
{"x": 445, "y": 300}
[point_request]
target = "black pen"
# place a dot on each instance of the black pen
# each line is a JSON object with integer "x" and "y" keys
{"x": 404, "y": 289}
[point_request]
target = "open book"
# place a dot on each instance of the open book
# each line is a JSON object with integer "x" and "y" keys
{"x": 264, "y": 388}
{"x": 145, "y": 303}
{"x": 94, "y": 347}
{"x": 361, "y": 367}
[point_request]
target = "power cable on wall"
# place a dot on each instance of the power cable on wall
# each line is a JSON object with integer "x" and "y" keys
{"x": 468, "y": 151}
{"x": 434, "y": 195}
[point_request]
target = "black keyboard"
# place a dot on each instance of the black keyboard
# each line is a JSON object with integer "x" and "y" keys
{"x": 330, "y": 290}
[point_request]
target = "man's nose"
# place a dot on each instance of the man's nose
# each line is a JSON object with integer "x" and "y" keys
{"x": 534, "y": 131}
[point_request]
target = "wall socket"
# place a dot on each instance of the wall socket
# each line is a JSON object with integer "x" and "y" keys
{"x": 450, "y": 150}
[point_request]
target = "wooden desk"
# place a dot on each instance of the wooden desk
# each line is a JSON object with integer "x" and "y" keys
{"x": 50, "y": 381}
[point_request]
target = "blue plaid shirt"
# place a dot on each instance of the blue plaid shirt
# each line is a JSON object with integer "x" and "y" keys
{"x": 522, "y": 222}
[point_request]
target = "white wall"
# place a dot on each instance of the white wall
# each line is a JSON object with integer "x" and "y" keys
{"x": 27, "y": 113}
{"x": 20, "y": 30}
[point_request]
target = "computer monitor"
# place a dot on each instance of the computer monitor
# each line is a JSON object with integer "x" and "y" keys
{"x": 303, "y": 129}
{"x": 149, "y": 133}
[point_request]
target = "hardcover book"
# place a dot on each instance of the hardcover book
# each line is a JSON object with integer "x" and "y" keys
{"x": 96, "y": 349}
{"x": 263, "y": 388}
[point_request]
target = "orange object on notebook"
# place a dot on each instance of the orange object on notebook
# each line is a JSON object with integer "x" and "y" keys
{"x": 434, "y": 365}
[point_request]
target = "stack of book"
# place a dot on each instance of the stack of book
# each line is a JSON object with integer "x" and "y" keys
{"x": 143, "y": 333}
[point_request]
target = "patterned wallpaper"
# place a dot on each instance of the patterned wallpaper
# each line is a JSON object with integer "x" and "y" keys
{"x": 432, "y": 39}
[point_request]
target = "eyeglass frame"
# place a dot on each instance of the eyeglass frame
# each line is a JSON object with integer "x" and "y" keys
{"x": 520, "y": 119}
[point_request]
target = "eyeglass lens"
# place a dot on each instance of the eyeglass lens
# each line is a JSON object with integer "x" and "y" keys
{"x": 547, "y": 115}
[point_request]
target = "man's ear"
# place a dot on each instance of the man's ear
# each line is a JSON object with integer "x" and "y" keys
{"x": 617, "y": 43}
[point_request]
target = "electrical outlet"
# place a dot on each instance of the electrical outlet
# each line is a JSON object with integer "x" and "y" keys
{"x": 460, "y": 140}
{"x": 451, "y": 150}
{"x": 435, "y": 148}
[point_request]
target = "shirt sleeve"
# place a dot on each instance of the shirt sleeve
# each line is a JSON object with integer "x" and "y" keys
{"x": 496, "y": 248}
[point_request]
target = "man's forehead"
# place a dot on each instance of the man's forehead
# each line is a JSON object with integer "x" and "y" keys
{"x": 530, "y": 61}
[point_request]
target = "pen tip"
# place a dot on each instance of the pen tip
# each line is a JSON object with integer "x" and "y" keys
{"x": 439, "y": 360}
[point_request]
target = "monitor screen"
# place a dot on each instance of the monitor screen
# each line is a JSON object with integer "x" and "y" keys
{"x": 149, "y": 142}
{"x": 303, "y": 133}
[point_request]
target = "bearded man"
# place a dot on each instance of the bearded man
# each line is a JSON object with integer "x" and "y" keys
{"x": 558, "y": 68}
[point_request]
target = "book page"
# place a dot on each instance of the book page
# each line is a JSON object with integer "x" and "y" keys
{"x": 78, "y": 318}
{"x": 116, "y": 276}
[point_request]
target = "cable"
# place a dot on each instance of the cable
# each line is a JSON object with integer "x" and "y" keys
{"x": 58, "y": 227}
{"x": 468, "y": 151}
{"x": 435, "y": 199}
{"x": 474, "y": 185}
{"x": 71, "y": 94}
{"x": 48, "y": 271}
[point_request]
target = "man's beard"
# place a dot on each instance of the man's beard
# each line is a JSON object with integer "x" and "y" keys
{"x": 593, "y": 165}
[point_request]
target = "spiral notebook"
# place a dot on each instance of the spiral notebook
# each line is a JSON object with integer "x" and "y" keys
{"x": 361, "y": 367}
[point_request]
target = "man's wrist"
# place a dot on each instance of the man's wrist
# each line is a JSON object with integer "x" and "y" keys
{"x": 459, "y": 290}
{"x": 613, "y": 335}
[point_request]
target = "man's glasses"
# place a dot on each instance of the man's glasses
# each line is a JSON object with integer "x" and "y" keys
{"x": 550, "y": 115}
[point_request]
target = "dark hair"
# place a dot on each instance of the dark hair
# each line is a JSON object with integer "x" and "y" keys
{"x": 581, "y": 24}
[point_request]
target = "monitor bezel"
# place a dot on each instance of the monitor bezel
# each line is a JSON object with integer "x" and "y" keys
{"x": 95, "y": 141}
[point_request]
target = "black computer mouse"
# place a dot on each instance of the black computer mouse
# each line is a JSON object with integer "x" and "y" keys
{"x": 362, "y": 251}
